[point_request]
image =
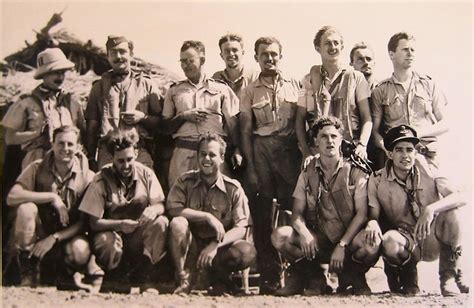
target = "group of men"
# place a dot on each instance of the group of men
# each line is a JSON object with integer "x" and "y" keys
{"x": 239, "y": 141}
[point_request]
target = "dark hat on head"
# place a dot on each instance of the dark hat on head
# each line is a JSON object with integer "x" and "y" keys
{"x": 114, "y": 40}
{"x": 400, "y": 133}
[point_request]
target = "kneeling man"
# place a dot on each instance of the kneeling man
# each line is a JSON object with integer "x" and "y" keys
{"x": 329, "y": 211}
{"x": 416, "y": 207}
{"x": 211, "y": 215}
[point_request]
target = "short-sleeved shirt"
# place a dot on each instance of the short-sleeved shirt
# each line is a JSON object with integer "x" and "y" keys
{"x": 225, "y": 200}
{"x": 422, "y": 105}
{"x": 272, "y": 107}
{"x": 388, "y": 193}
{"x": 246, "y": 77}
{"x": 358, "y": 181}
{"x": 214, "y": 96}
{"x": 41, "y": 176}
{"x": 43, "y": 109}
{"x": 108, "y": 197}
{"x": 109, "y": 97}
{"x": 309, "y": 96}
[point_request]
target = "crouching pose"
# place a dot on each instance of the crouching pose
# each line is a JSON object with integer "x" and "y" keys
{"x": 416, "y": 208}
{"x": 329, "y": 211}
{"x": 125, "y": 204}
{"x": 211, "y": 217}
{"x": 48, "y": 226}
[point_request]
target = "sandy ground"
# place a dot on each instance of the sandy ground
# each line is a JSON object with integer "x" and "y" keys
{"x": 429, "y": 296}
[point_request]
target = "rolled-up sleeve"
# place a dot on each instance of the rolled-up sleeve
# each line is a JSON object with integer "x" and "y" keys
{"x": 372, "y": 192}
{"x": 300, "y": 188}
{"x": 155, "y": 190}
{"x": 176, "y": 196}
{"x": 93, "y": 202}
{"x": 240, "y": 209}
{"x": 169, "y": 109}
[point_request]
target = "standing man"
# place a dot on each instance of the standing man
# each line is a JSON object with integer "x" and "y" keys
{"x": 211, "y": 211}
{"x": 331, "y": 89}
{"x": 48, "y": 226}
{"x": 121, "y": 99}
{"x": 125, "y": 205}
{"x": 196, "y": 106}
{"x": 416, "y": 207}
{"x": 408, "y": 98}
{"x": 32, "y": 120}
{"x": 362, "y": 60}
{"x": 329, "y": 211}
{"x": 270, "y": 148}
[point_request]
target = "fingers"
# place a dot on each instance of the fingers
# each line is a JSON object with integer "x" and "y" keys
{"x": 63, "y": 216}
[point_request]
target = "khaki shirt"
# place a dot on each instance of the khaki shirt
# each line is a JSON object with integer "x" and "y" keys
{"x": 225, "y": 200}
{"x": 387, "y": 192}
{"x": 108, "y": 98}
{"x": 215, "y": 97}
{"x": 273, "y": 108}
{"x": 246, "y": 77}
{"x": 114, "y": 200}
{"x": 421, "y": 106}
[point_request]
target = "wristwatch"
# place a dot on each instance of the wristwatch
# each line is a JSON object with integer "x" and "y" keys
{"x": 342, "y": 244}
{"x": 56, "y": 237}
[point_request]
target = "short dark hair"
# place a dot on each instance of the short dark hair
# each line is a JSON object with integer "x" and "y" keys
{"x": 66, "y": 129}
{"x": 326, "y": 121}
{"x": 231, "y": 37}
{"x": 360, "y": 45}
{"x": 393, "y": 42}
{"x": 197, "y": 45}
{"x": 267, "y": 40}
{"x": 208, "y": 137}
{"x": 119, "y": 140}
{"x": 322, "y": 31}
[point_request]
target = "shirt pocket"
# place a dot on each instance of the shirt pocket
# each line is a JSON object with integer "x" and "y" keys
{"x": 393, "y": 108}
{"x": 422, "y": 103}
{"x": 263, "y": 113}
{"x": 210, "y": 99}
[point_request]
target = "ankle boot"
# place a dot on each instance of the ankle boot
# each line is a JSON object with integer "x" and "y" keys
{"x": 409, "y": 278}
{"x": 316, "y": 283}
{"x": 294, "y": 280}
{"x": 448, "y": 271}
{"x": 393, "y": 277}
{"x": 29, "y": 269}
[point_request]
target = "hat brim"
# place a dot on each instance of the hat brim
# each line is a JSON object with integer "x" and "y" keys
{"x": 52, "y": 67}
{"x": 414, "y": 140}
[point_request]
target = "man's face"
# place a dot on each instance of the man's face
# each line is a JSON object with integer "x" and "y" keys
{"x": 54, "y": 80}
{"x": 191, "y": 62}
{"x": 363, "y": 61}
{"x": 403, "y": 156}
{"x": 330, "y": 47}
{"x": 120, "y": 57}
{"x": 210, "y": 157}
{"x": 404, "y": 56}
{"x": 268, "y": 57}
{"x": 65, "y": 147}
{"x": 232, "y": 53}
{"x": 328, "y": 141}
{"x": 124, "y": 161}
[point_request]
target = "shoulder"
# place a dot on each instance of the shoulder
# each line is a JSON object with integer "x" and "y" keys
{"x": 234, "y": 184}
{"x": 175, "y": 85}
{"x": 189, "y": 176}
{"x": 217, "y": 84}
{"x": 217, "y": 75}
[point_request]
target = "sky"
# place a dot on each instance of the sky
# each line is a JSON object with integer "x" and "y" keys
{"x": 443, "y": 31}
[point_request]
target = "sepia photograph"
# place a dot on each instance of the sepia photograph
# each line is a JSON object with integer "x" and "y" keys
{"x": 236, "y": 153}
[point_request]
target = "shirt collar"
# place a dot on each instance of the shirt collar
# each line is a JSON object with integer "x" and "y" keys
{"x": 325, "y": 74}
{"x": 71, "y": 176}
{"x": 261, "y": 83}
{"x": 225, "y": 76}
{"x": 317, "y": 163}
{"x": 391, "y": 176}
{"x": 219, "y": 182}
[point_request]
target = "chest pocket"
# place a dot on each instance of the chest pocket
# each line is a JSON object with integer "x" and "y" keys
{"x": 288, "y": 100}
{"x": 34, "y": 119}
{"x": 184, "y": 100}
{"x": 393, "y": 108}
{"x": 263, "y": 113}
{"x": 422, "y": 103}
{"x": 210, "y": 99}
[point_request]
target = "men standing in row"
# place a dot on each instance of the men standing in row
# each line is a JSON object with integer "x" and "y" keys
{"x": 48, "y": 225}
{"x": 407, "y": 98}
{"x": 121, "y": 99}
{"x": 270, "y": 149}
{"x": 211, "y": 211}
{"x": 331, "y": 89}
{"x": 196, "y": 106}
{"x": 329, "y": 211}
{"x": 125, "y": 205}
{"x": 32, "y": 120}
{"x": 416, "y": 207}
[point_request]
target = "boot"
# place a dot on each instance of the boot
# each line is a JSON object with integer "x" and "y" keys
{"x": 409, "y": 278}
{"x": 294, "y": 281}
{"x": 315, "y": 280}
{"x": 184, "y": 286}
{"x": 220, "y": 283}
{"x": 116, "y": 281}
{"x": 393, "y": 277}
{"x": 29, "y": 269}
{"x": 463, "y": 288}
{"x": 141, "y": 276}
{"x": 448, "y": 272}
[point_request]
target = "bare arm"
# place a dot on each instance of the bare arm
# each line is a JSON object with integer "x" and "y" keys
{"x": 300, "y": 127}
{"x": 19, "y": 195}
{"x": 20, "y": 137}
{"x": 358, "y": 221}
{"x": 246, "y": 142}
{"x": 297, "y": 219}
{"x": 366, "y": 121}
{"x": 92, "y": 138}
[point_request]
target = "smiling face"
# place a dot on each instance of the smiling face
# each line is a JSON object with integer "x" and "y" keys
{"x": 65, "y": 147}
{"x": 403, "y": 156}
{"x": 330, "y": 47}
{"x": 268, "y": 57}
{"x": 124, "y": 161}
{"x": 404, "y": 55}
{"x": 328, "y": 141}
{"x": 54, "y": 80}
{"x": 191, "y": 62}
{"x": 120, "y": 57}
{"x": 363, "y": 61}
{"x": 232, "y": 53}
{"x": 210, "y": 157}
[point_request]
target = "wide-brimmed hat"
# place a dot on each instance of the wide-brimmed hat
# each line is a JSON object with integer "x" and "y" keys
{"x": 50, "y": 60}
{"x": 400, "y": 133}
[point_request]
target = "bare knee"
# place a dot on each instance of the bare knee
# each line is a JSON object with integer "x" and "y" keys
{"x": 108, "y": 249}
{"x": 179, "y": 227}
{"x": 26, "y": 212}
{"x": 447, "y": 227}
{"x": 246, "y": 253}
{"x": 393, "y": 243}
{"x": 78, "y": 251}
{"x": 280, "y": 236}
{"x": 161, "y": 223}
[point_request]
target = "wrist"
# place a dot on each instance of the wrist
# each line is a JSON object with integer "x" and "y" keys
{"x": 55, "y": 237}
{"x": 361, "y": 144}
{"x": 342, "y": 244}
{"x": 118, "y": 227}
